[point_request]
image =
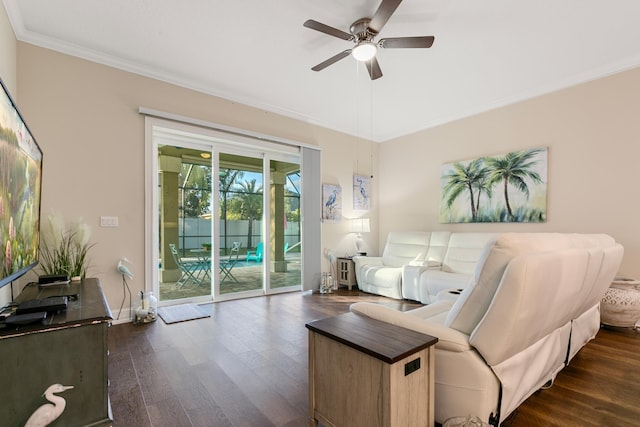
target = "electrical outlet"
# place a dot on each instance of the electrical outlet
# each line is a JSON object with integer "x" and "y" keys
{"x": 108, "y": 221}
{"x": 411, "y": 367}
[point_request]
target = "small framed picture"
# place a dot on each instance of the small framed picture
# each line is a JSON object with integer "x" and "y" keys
{"x": 361, "y": 193}
{"x": 331, "y": 202}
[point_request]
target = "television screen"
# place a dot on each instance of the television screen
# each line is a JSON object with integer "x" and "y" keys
{"x": 20, "y": 185}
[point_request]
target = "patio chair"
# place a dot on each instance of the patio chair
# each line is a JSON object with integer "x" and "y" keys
{"x": 227, "y": 265}
{"x": 255, "y": 255}
{"x": 187, "y": 268}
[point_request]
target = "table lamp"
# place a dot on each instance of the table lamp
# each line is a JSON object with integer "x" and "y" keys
{"x": 359, "y": 226}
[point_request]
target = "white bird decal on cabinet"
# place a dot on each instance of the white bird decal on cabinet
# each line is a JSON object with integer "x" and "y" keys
{"x": 47, "y": 413}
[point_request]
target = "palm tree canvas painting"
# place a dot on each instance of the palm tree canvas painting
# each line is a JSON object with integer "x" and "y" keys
{"x": 331, "y": 202}
{"x": 506, "y": 188}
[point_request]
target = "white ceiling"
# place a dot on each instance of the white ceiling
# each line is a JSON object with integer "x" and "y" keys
{"x": 486, "y": 53}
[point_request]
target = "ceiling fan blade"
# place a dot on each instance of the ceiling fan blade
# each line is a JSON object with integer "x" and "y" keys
{"x": 402, "y": 42}
{"x": 382, "y": 15}
{"x": 323, "y": 28}
{"x": 332, "y": 60}
{"x": 374, "y": 68}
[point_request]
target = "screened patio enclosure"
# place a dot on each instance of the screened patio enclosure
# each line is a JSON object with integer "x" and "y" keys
{"x": 218, "y": 226}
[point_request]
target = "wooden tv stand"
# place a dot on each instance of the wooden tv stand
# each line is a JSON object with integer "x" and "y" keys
{"x": 70, "y": 348}
{"x": 364, "y": 372}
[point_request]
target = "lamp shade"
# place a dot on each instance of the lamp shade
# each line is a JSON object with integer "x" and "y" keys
{"x": 360, "y": 225}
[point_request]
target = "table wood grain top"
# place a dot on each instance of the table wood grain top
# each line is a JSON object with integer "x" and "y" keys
{"x": 384, "y": 341}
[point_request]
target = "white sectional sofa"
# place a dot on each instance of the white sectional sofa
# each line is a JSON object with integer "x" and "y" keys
{"x": 419, "y": 265}
{"x": 532, "y": 301}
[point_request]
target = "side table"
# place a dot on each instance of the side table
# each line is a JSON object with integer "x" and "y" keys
{"x": 346, "y": 272}
{"x": 365, "y": 372}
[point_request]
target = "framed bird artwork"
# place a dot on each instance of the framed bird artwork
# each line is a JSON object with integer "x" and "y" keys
{"x": 361, "y": 193}
{"x": 331, "y": 202}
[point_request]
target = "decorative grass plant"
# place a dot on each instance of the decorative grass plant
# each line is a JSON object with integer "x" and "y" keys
{"x": 64, "y": 250}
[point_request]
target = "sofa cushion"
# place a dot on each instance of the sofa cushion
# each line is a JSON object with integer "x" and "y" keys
{"x": 383, "y": 277}
{"x": 436, "y": 313}
{"x": 464, "y": 250}
{"x": 404, "y": 247}
{"x": 474, "y": 300}
{"x": 427, "y": 320}
{"x": 438, "y": 244}
{"x": 547, "y": 282}
{"x": 591, "y": 240}
{"x": 435, "y": 281}
{"x": 362, "y": 263}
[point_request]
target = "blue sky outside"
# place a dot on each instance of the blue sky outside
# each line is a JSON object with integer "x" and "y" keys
{"x": 295, "y": 178}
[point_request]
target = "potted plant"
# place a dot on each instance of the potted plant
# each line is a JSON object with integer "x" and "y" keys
{"x": 64, "y": 250}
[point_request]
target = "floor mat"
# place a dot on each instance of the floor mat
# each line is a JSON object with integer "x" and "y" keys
{"x": 181, "y": 313}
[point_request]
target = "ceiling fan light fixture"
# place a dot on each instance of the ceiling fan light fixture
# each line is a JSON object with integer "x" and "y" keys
{"x": 364, "y": 51}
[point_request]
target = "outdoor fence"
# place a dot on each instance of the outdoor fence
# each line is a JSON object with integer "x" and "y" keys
{"x": 193, "y": 233}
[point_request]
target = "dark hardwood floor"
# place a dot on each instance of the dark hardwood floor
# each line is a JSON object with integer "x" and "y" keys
{"x": 247, "y": 366}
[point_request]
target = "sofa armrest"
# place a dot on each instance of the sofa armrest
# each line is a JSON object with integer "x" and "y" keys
{"x": 411, "y": 278}
{"x": 448, "y": 339}
{"x": 367, "y": 260}
{"x": 411, "y": 282}
{"x": 449, "y": 294}
{"x": 426, "y": 264}
{"x": 413, "y": 270}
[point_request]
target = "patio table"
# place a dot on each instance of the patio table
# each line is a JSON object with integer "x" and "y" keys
{"x": 204, "y": 263}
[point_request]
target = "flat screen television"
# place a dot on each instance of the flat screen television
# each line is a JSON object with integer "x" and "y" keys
{"x": 20, "y": 191}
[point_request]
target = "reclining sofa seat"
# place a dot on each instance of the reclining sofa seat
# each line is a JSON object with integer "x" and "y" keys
{"x": 532, "y": 304}
{"x": 459, "y": 255}
{"x": 383, "y": 275}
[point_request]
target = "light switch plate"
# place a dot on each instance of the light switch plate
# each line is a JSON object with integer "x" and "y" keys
{"x": 108, "y": 221}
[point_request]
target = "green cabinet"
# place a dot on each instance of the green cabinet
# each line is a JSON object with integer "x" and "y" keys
{"x": 69, "y": 349}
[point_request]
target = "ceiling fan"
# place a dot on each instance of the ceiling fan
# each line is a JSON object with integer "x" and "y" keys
{"x": 362, "y": 33}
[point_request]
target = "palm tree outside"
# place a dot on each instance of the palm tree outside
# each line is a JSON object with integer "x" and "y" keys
{"x": 227, "y": 178}
{"x": 250, "y": 196}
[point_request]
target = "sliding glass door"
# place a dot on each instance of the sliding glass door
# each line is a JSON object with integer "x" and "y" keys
{"x": 227, "y": 218}
{"x": 240, "y": 219}
{"x": 260, "y": 216}
{"x": 284, "y": 209}
{"x": 184, "y": 193}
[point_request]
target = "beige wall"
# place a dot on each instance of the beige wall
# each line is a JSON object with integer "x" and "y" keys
{"x": 85, "y": 117}
{"x": 341, "y": 159}
{"x": 8, "y": 54}
{"x": 592, "y": 132}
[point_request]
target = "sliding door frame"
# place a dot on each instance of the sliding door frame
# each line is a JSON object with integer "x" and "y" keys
{"x": 241, "y": 141}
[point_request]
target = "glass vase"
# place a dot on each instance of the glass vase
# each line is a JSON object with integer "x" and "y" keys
{"x": 146, "y": 308}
